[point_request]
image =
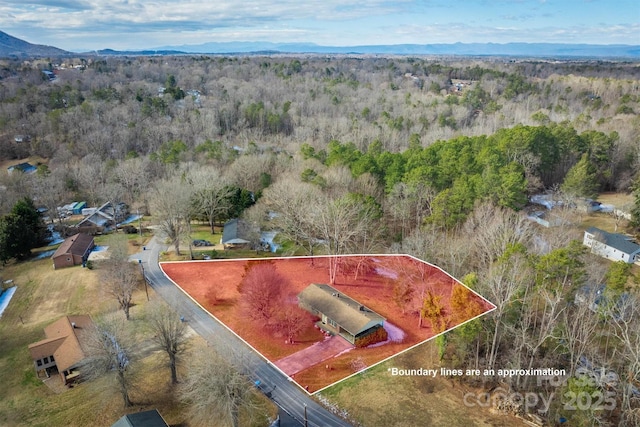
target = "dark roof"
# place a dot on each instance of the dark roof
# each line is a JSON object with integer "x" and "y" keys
{"x": 617, "y": 241}
{"x": 150, "y": 418}
{"x": 345, "y": 311}
{"x": 235, "y": 232}
{"x": 64, "y": 341}
{"x": 76, "y": 245}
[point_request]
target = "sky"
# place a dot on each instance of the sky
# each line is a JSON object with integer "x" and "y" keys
{"x": 82, "y": 25}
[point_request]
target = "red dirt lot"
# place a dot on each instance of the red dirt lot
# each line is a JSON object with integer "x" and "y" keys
{"x": 376, "y": 281}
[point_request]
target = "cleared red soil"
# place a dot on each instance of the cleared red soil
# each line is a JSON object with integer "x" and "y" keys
{"x": 371, "y": 280}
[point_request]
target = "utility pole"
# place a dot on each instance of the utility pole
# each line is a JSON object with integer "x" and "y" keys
{"x": 139, "y": 224}
{"x": 144, "y": 277}
{"x": 306, "y": 423}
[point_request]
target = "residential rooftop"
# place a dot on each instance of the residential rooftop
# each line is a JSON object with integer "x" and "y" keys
{"x": 351, "y": 315}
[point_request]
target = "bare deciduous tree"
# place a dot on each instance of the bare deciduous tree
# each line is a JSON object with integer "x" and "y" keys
{"x": 624, "y": 313}
{"x": 292, "y": 320}
{"x": 133, "y": 176}
{"x": 213, "y": 389}
{"x": 579, "y": 325}
{"x": 495, "y": 230}
{"x": 293, "y": 203}
{"x": 169, "y": 335}
{"x": 500, "y": 286}
{"x": 261, "y": 291}
{"x": 170, "y": 204}
{"x": 120, "y": 277}
{"x": 344, "y": 225}
{"x": 109, "y": 352}
{"x": 211, "y": 194}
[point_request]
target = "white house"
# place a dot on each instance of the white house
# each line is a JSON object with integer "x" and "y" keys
{"x": 613, "y": 246}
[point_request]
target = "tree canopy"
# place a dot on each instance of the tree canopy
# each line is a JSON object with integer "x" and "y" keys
{"x": 21, "y": 230}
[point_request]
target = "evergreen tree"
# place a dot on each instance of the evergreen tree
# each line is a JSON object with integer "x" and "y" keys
{"x": 581, "y": 180}
{"x": 21, "y": 230}
{"x": 635, "y": 210}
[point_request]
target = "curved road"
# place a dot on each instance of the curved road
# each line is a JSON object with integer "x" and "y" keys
{"x": 277, "y": 386}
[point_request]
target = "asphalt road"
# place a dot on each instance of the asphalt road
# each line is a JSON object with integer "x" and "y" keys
{"x": 284, "y": 393}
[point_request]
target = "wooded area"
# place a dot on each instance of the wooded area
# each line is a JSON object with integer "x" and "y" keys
{"x": 435, "y": 157}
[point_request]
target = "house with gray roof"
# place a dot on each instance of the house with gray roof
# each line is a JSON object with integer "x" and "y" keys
{"x": 340, "y": 314}
{"x": 150, "y": 418}
{"x": 237, "y": 233}
{"x": 105, "y": 217}
{"x": 613, "y": 246}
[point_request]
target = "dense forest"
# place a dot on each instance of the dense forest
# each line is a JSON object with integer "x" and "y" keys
{"x": 435, "y": 157}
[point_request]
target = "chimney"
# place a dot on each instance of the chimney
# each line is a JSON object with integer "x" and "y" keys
{"x": 73, "y": 325}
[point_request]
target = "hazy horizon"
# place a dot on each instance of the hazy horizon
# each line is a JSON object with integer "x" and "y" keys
{"x": 133, "y": 24}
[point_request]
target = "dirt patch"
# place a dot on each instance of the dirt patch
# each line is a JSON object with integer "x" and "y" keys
{"x": 373, "y": 281}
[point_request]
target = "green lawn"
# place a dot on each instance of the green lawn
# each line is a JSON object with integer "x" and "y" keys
{"x": 44, "y": 295}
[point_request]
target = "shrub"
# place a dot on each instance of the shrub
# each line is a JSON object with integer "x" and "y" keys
{"x": 374, "y": 336}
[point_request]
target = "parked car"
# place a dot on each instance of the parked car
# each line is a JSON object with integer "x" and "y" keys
{"x": 202, "y": 243}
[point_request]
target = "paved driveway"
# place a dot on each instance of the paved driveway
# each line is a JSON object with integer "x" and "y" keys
{"x": 284, "y": 392}
{"x": 319, "y": 352}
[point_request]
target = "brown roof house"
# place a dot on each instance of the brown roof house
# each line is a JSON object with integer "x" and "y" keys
{"x": 73, "y": 251}
{"x": 342, "y": 315}
{"x": 63, "y": 348}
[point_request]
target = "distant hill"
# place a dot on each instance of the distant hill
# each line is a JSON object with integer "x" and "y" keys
{"x": 550, "y": 50}
{"x": 147, "y": 52}
{"x": 14, "y": 47}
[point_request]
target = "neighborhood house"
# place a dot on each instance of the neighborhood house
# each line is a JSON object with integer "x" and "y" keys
{"x": 105, "y": 217}
{"x": 342, "y": 315}
{"x": 74, "y": 250}
{"x": 63, "y": 348}
{"x": 613, "y": 246}
{"x": 150, "y": 418}
{"x": 235, "y": 234}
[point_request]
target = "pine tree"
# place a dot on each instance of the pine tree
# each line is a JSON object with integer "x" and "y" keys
{"x": 581, "y": 180}
{"x": 635, "y": 210}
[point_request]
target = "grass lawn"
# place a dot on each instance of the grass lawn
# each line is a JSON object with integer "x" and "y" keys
{"x": 619, "y": 200}
{"x": 44, "y": 295}
{"x": 203, "y": 232}
{"x": 375, "y": 398}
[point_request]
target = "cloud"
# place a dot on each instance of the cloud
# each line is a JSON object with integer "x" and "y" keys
{"x": 465, "y": 33}
{"x": 135, "y": 24}
{"x": 195, "y": 13}
{"x": 49, "y": 4}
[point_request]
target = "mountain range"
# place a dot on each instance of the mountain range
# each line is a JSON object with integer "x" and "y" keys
{"x": 467, "y": 49}
{"x": 14, "y": 47}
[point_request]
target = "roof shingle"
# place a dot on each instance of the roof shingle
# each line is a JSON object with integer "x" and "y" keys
{"x": 75, "y": 245}
{"x": 345, "y": 311}
{"x": 617, "y": 241}
{"x": 64, "y": 341}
